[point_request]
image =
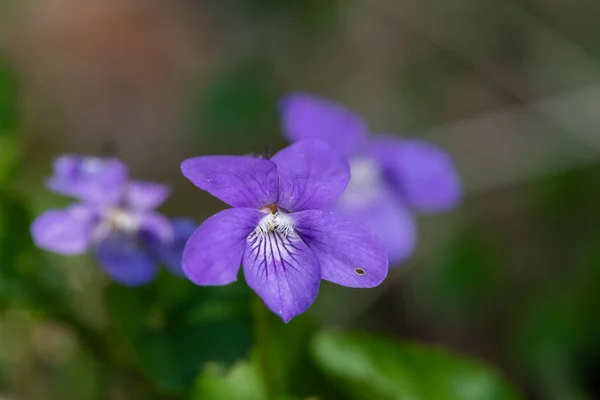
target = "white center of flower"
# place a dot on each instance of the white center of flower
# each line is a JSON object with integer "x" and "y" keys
{"x": 277, "y": 221}
{"x": 92, "y": 165}
{"x": 365, "y": 182}
{"x": 117, "y": 219}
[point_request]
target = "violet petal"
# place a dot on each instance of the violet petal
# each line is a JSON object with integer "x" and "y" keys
{"x": 311, "y": 175}
{"x": 349, "y": 253}
{"x": 387, "y": 217}
{"x": 311, "y": 117}
{"x": 91, "y": 179}
{"x": 126, "y": 260}
{"x": 237, "y": 180}
{"x": 142, "y": 195}
{"x": 423, "y": 173}
{"x": 67, "y": 231}
{"x": 283, "y": 271}
{"x": 170, "y": 253}
{"x": 213, "y": 254}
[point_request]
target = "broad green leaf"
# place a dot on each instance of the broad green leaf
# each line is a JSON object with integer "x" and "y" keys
{"x": 370, "y": 367}
{"x": 175, "y": 328}
{"x": 241, "y": 382}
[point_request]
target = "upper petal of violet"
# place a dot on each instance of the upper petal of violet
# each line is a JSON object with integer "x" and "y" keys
{"x": 92, "y": 179}
{"x": 282, "y": 270}
{"x": 311, "y": 117}
{"x": 311, "y": 175}
{"x": 213, "y": 254}
{"x": 423, "y": 173}
{"x": 237, "y": 180}
{"x": 349, "y": 253}
{"x": 66, "y": 231}
{"x": 143, "y": 195}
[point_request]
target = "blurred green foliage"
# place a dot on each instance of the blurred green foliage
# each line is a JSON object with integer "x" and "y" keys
{"x": 175, "y": 328}
{"x": 370, "y": 367}
{"x": 520, "y": 291}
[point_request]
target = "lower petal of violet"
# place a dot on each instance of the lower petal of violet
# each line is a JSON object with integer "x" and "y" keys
{"x": 126, "y": 259}
{"x": 283, "y": 271}
{"x": 66, "y": 231}
{"x": 213, "y": 254}
{"x": 385, "y": 215}
{"x": 349, "y": 253}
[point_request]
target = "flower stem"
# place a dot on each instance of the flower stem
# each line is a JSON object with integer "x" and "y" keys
{"x": 261, "y": 333}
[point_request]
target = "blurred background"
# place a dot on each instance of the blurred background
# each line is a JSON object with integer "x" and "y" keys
{"x": 511, "y": 279}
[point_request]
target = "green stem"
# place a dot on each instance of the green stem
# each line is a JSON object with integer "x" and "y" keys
{"x": 261, "y": 333}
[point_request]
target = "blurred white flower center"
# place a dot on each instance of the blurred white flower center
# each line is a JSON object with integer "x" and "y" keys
{"x": 365, "y": 182}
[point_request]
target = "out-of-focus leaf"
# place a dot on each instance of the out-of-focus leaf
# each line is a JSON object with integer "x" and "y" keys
{"x": 294, "y": 370}
{"x": 370, "y": 367}
{"x": 175, "y": 328}
{"x": 241, "y": 382}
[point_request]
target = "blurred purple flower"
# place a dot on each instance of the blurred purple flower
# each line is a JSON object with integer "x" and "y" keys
{"x": 391, "y": 177}
{"x": 285, "y": 243}
{"x": 115, "y": 217}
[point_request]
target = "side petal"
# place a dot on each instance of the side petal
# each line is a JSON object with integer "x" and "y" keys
{"x": 171, "y": 252}
{"x": 387, "y": 217}
{"x": 349, "y": 253}
{"x": 305, "y": 116}
{"x": 141, "y": 195}
{"x": 66, "y": 231}
{"x": 213, "y": 254}
{"x": 126, "y": 260}
{"x": 311, "y": 175}
{"x": 92, "y": 179}
{"x": 237, "y": 180}
{"x": 156, "y": 225}
{"x": 283, "y": 271}
{"x": 424, "y": 173}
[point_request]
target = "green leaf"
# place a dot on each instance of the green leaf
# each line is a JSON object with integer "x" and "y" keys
{"x": 241, "y": 382}
{"x": 175, "y": 328}
{"x": 369, "y": 367}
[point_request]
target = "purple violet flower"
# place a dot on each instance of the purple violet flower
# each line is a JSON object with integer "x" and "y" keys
{"x": 115, "y": 217}
{"x": 391, "y": 177}
{"x": 277, "y": 230}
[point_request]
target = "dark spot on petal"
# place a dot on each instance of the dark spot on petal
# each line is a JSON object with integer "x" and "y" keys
{"x": 359, "y": 271}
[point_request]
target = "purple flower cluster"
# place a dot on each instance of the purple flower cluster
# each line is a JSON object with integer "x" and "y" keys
{"x": 391, "y": 177}
{"x": 115, "y": 217}
{"x": 334, "y": 205}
